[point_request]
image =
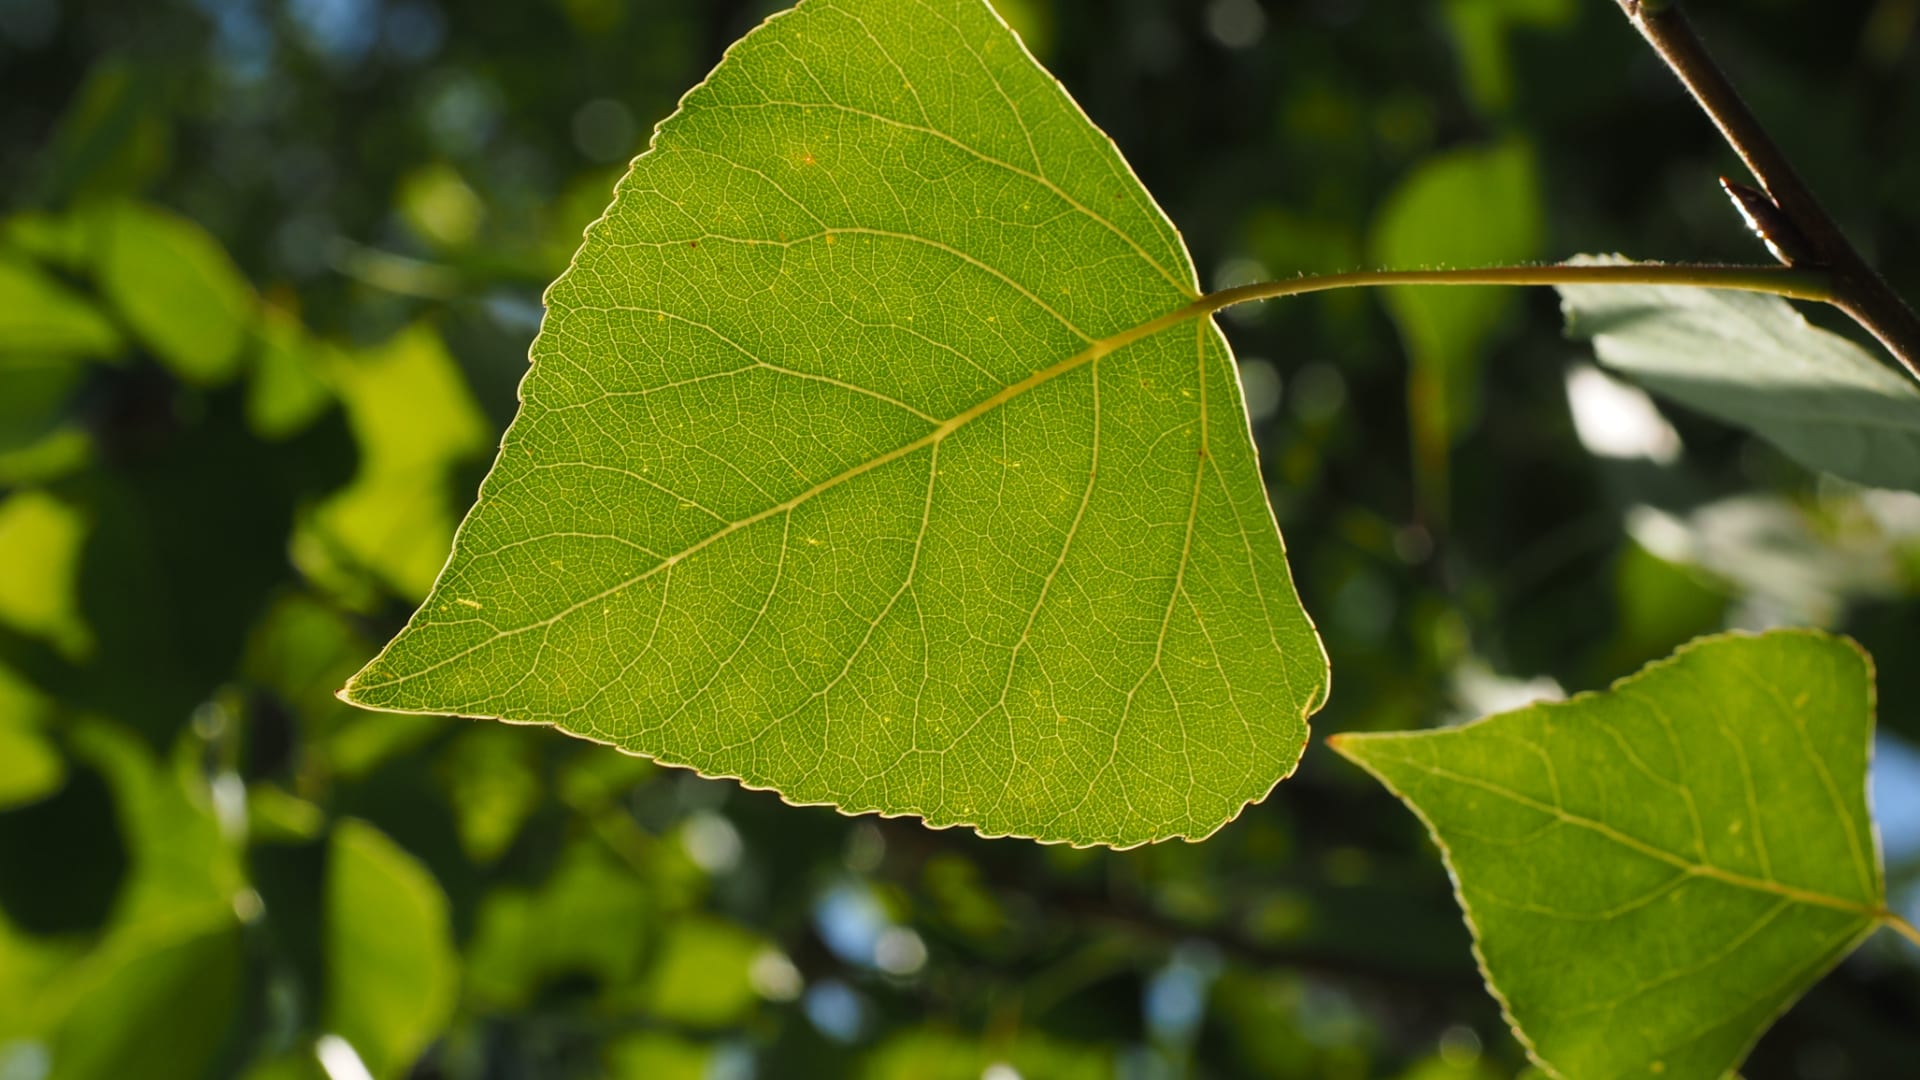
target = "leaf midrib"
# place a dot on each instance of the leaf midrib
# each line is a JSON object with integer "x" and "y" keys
{"x": 1688, "y": 866}
{"x": 1094, "y": 351}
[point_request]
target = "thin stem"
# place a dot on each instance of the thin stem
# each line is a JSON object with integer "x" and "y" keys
{"x": 1858, "y": 289}
{"x": 1799, "y": 283}
{"x": 1901, "y": 926}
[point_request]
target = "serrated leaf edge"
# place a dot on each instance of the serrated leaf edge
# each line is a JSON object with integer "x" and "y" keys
{"x": 1198, "y": 308}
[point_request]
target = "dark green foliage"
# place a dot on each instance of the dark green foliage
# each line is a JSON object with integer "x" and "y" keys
{"x": 201, "y": 541}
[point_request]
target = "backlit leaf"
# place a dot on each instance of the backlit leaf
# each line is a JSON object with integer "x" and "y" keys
{"x": 701, "y": 976}
{"x": 414, "y": 420}
{"x": 1488, "y": 33}
{"x": 1654, "y": 873}
{"x": 178, "y": 289}
{"x": 1466, "y": 207}
{"x": 39, "y": 531}
{"x": 183, "y": 865}
{"x": 655, "y": 1055}
{"x": 933, "y": 1054}
{"x": 493, "y": 783}
{"x": 391, "y": 970}
{"x": 167, "y": 971}
{"x": 589, "y": 918}
{"x": 30, "y": 764}
{"x": 41, "y": 317}
{"x": 287, "y": 391}
{"x": 158, "y": 1001}
{"x": 870, "y": 453}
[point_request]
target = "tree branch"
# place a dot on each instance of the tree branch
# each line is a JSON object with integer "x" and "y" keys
{"x": 1797, "y": 282}
{"x": 1901, "y": 926}
{"x": 1858, "y": 289}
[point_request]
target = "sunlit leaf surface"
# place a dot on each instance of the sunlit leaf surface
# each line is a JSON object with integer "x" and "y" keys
{"x": 867, "y": 455}
{"x": 1654, "y": 873}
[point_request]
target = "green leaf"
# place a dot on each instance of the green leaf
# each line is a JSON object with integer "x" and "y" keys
{"x": 934, "y": 1054}
{"x": 287, "y": 391}
{"x": 1469, "y": 207}
{"x": 1751, "y": 360}
{"x": 415, "y": 421}
{"x": 39, "y": 391}
{"x": 655, "y": 1055}
{"x": 63, "y": 450}
{"x": 440, "y": 207}
{"x": 39, "y": 316}
{"x": 183, "y": 865}
{"x": 157, "y": 1002}
{"x": 871, "y": 453}
{"x": 1482, "y": 31}
{"x": 41, "y": 532}
{"x": 391, "y": 969}
{"x": 1653, "y": 874}
{"x": 492, "y": 779}
{"x": 31, "y": 767}
{"x": 29, "y": 964}
{"x": 590, "y": 917}
{"x": 57, "y": 239}
{"x": 702, "y": 975}
{"x": 168, "y": 970}
{"x": 176, "y": 287}
{"x": 112, "y": 139}
{"x": 275, "y": 815}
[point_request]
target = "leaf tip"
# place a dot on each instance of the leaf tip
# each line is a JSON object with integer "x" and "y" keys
{"x": 1346, "y": 745}
{"x": 353, "y": 691}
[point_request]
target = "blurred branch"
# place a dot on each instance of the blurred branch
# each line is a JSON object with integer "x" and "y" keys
{"x": 1858, "y": 289}
{"x": 394, "y": 273}
{"x": 1901, "y": 926}
{"x": 448, "y": 279}
{"x": 1392, "y": 972}
{"x": 1340, "y": 965}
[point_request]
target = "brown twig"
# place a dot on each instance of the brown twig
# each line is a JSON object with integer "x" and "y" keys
{"x": 1859, "y": 290}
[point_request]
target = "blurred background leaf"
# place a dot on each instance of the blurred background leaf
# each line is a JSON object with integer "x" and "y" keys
{"x": 1465, "y": 207}
{"x": 391, "y": 971}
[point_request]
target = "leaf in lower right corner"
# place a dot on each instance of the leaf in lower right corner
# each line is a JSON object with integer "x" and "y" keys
{"x": 1654, "y": 873}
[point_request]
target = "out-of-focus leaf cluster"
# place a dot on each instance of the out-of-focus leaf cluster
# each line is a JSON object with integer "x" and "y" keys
{"x": 267, "y": 274}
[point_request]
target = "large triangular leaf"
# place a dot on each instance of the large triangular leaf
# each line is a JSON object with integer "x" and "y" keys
{"x": 870, "y": 453}
{"x": 1653, "y": 874}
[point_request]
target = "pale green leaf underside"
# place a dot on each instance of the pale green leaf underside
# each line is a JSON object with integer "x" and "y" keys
{"x": 1752, "y": 360}
{"x": 864, "y": 457}
{"x": 1652, "y": 874}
